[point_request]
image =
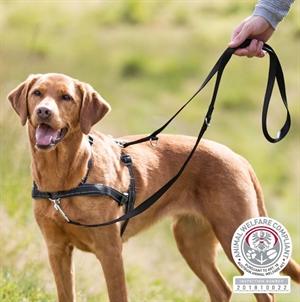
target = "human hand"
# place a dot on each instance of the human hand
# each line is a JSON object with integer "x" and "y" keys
{"x": 256, "y": 28}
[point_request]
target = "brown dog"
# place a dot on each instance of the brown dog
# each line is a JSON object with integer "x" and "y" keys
{"x": 216, "y": 193}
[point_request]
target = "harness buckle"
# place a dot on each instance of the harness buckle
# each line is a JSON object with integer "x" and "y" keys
{"x": 124, "y": 199}
{"x": 126, "y": 159}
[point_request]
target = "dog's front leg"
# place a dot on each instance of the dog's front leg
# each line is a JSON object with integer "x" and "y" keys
{"x": 60, "y": 258}
{"x": 115, "y": 278}
{"x": 63, "y": 269}
{"x": 60, "y": 253}
{"x": 110, "y": 256}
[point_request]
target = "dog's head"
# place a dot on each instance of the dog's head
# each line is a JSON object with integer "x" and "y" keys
{"x": 55, "y": 105}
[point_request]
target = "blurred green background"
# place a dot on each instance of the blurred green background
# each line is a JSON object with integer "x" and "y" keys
{"x": 146, "y": 58}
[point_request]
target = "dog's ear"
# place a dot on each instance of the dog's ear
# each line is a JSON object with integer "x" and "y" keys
{"x": 93, "y": 108}
{"x": 18, "y": 97}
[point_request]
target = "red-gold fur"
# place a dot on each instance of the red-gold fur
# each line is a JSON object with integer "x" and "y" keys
{"x": 216, "y": 193}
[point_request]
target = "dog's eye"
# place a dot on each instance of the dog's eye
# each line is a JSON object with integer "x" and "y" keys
{"x": 37, "y": 93}
{"x": 66, "y": 97}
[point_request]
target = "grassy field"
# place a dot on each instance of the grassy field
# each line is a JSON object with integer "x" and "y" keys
{"x": 146, "y": 58}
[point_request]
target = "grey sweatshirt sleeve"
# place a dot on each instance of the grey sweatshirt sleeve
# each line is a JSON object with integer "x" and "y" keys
{"x": 273, "y": 10}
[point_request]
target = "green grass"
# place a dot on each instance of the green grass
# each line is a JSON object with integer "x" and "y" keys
{"x": 22, "y": 288}
{"x": 146, "y": 58}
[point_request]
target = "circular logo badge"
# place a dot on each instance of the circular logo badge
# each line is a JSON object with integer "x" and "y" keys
{"x": 261, "y": 247}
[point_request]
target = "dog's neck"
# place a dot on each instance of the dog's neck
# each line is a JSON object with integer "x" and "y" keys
{"x": 60, "y": 168}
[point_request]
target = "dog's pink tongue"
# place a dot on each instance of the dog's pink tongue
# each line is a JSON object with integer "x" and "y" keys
{"x": 44, "y": 135}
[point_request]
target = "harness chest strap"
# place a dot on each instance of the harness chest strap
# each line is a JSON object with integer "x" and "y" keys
{"x": 83, "y": 189}
{"x": 126, "y": 198}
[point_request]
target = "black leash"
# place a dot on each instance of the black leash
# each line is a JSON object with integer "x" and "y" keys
{"x": 275, "y": 72}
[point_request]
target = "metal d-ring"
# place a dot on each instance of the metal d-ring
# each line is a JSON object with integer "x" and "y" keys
{"x": 153, "y": 139}
{"x": 206, "y": 122}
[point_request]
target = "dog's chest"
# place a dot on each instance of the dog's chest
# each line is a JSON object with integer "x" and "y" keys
{"x": 56, "y": 229}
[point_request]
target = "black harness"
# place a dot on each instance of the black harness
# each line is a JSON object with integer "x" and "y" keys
{"x": 275, "y": 73}
{"x": 126, "y": 198}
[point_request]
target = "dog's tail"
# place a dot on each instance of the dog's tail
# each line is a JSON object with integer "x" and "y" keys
{"x": 259, "y": 194}
{"x": 292, "y": 269}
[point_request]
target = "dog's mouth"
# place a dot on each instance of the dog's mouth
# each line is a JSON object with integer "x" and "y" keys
{"x": 47, "y": 137}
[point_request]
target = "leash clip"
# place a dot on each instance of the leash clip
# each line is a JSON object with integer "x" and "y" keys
{"x": 56, "y": 204}
{"x": 120, "y": 143}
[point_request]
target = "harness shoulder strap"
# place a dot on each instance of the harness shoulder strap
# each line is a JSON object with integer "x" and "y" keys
{"x": 131, "y": 197}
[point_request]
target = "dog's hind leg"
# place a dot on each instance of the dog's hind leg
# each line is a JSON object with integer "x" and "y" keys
{"x": 225, "y": 223}
{"x": 197, "y": 244}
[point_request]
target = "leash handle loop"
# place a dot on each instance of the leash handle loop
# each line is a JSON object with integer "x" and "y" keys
{"x": 275, "y": 72}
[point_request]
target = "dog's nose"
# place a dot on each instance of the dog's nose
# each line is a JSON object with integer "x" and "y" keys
{"x": 44, "y": 112}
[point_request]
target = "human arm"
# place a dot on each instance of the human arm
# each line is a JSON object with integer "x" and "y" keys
{"x": 256, "y": 28}
{"x": 259, "y": 27}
